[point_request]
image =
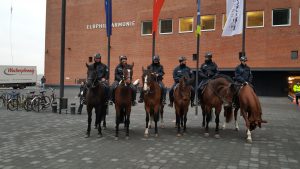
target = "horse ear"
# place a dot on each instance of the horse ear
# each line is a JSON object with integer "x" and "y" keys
{"x": 86, "y": 65}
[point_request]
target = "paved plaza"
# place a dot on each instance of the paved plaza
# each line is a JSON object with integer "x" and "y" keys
{"x": 52, "y": 140}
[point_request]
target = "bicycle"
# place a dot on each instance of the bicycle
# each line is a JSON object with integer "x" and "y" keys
{"x": 40, "y": 102}
{"x": 14, "y": 101}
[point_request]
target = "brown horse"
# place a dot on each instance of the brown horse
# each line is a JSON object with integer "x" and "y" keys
{"x": 95, "y": 98}
{"x": 152, "y": 96}
{"x": 123, "y": 97}
{"x": 217, "y": 92}
{"x": 250, "y": 108}
{"x": 182, "y": 95}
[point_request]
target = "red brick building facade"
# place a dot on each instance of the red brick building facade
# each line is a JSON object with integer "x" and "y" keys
{"x": 269, "y": 48}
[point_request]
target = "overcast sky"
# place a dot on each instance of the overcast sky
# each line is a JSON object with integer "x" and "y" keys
{"x": 22, "y": 33}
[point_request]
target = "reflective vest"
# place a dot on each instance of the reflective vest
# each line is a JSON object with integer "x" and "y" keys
{"x": 296, "y": 88}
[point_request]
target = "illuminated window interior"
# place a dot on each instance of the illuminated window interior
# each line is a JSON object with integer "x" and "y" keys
{"x": 186, "y": 24}
{"x": 255, "y": 19}
{"x": 208, "y": 22}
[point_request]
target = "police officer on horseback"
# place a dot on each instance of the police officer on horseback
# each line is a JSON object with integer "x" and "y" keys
{"x": 208, "y": 70}
{"x": 181, "y": 71}
{"x": 158, "y": 69}
{"x": 102, "y": 74}
{"x": 243, "y": 73}
{"x": 118, "y": 77}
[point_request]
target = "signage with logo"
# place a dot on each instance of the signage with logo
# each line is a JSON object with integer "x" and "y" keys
{"x": 114, "y": 25}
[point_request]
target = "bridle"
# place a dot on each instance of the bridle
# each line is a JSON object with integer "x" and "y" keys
{"x": 224, "y": 100}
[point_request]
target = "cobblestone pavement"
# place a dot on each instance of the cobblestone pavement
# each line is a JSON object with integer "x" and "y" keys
{"x": 51, "y": 140}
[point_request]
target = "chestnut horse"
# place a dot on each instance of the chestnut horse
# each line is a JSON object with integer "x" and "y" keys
{"x": 182, "y": 95}
{"x": 123, "y": 97}
{"x": 152, "y": 99}
{"x": 95, "y": 98}
{"x": 250, "y": 109}
{"x": 217, "y": 92}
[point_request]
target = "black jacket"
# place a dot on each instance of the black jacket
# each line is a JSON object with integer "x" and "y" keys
{"x": 181, "y": 71}
{"x": 208, "y": 70}
{"x": 243, "y": 74}
{"x": 157, "y": 68}
{"x": 102, "y": 70}
{"x": 119, "y": 72}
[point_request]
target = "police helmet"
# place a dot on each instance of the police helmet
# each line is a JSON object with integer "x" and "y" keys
{"x": 155, "y": 58}
{"x": 97, "y": 56}
{"x": 208, "y": 55}
{"x": 243, "y": 59}
{"x": 122, "y": 57}
{"x": 181, "y": 58}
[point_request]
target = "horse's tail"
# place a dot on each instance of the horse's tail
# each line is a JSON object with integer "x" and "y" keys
{"x": 228, "y": 113}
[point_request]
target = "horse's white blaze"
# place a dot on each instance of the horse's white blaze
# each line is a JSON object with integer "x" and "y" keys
{"x": 145, "y": 83}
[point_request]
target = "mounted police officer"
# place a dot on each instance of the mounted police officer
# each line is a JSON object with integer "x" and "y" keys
{"x": 243, "y": 73}
{"x": 157, "y": 68}
{"x": 118, "y": 77}
{"x": 102, "y": 74}
{"x": 208, "y": 70}
{"x": 181, "y": 71}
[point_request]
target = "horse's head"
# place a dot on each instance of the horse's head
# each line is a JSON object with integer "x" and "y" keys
{"x": 148, "y": 78}
{"x": 127, "y": 75}
{"x": 185, "y": 88}
{"x": 225, "y": 89}
{"x": 91, "y": 76}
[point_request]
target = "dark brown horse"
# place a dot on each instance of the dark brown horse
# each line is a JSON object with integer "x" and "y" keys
{"x": 152, "y": 96}
{"x": 182, "y": 95}
{"x": 95, "y": 98}
{"x": 250, "y": 108}
{"x": 123, "y": 97}
{"x": 217, "y": 92}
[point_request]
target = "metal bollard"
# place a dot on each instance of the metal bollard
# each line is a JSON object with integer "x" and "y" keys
{"x": 73, "y": 108}
{"x": 54, "y": 107}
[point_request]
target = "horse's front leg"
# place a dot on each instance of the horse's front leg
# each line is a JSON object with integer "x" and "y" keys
{"x": 156, "y": 116}
{"x": 127, "y": 115}
{"x": 146, "y": 134}
{"x": 117, "y": 122}
{"x": 178, "y": 123}
{"x": 208, "y": 118}
{"x": 89, "y": 111}
{"x": 217, "y": 120}
{"x": 203, "y": 116}
{"x": 235, "y": 119}
{"x": 184, "y": 121}
{"x": 104, "y": 117}
{"x": 100, "y": 114}
{"x": 249, "y": 138}
{"x": 162, "y": 124}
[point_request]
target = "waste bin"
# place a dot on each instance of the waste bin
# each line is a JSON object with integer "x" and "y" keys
{"x": 54, "y": 107}
{"x": 73, "y": 108}
{"x": 63, "y": 104}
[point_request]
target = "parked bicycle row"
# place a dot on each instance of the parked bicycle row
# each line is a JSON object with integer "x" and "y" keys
{"x": 32, "y": 100}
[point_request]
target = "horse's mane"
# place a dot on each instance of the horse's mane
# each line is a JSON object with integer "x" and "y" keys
{"x": 228, "y": 78}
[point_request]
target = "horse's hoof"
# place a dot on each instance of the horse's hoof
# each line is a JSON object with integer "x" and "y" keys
{"x": 116, "y": 138}
{"x": 146, "y": 135}
{"x": 87, "y": 136}
{"x": 217, "y": 136}
{"x": 95, "y": 127}
{"x": 99, "y": 135}
{"x": 237, "y": 129}
{"x": 249, "y": 140}
{"x": 162, "y": 126}
{"x": 156, "y": 135}
{"x": 206, "y": 134}
{"x": 179, "y": 135}
{"x": 127, "y": 137}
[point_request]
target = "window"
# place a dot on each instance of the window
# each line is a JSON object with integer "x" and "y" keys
{"x": 281, "y": 17}
{"x": 186, "y": 24}
{"x": 255, "y": 19}
{"x": 294, "y": 54}
{"x": 166, "y": 26}
{"x": 224, "y": 18}
{"x": 147, "y": 28}
{"x": 208, "y": 22}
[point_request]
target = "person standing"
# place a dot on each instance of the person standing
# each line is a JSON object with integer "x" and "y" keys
{"x": 43, "y": 81}
{"x": 296, "y": 89}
